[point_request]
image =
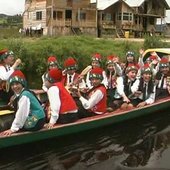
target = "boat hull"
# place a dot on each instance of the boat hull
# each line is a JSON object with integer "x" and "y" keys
{"x": 83, "y": 124}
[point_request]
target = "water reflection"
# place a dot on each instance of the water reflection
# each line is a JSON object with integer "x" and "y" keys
{"x": 135, "y": 144}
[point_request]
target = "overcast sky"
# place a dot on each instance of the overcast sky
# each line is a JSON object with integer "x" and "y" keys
{"x": 12, "y": 7}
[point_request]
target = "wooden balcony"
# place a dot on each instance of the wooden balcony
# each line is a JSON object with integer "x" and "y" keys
{"x": 108, "y": 25}
{"x": 70, "y": 23}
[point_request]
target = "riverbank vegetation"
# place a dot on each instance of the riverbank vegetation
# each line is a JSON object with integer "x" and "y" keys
{"x": 35, "y": 51}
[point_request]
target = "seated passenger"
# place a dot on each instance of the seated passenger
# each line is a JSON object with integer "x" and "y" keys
{"x": 130, "y": 59}
{"x": 96, "y": 62}
{"x": 7, "y": 67}
{"x": 144, "y": 88}
{"x": 95, "y": 103}
{"x": 161, "y": 79}
{"x": 29, "y": 115}
{"x": 124, "y": 90}
{"x": 51, "y": 63}
{"x": 62, "y": 106}
{"x": 113, "y": 70}
{"x": 153, "y": 62}
{"x": 71, "y": 78}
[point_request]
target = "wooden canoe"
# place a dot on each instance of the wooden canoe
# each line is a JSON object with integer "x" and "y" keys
{"x": 160, "y": 52}
{"x": 84, "y": 124}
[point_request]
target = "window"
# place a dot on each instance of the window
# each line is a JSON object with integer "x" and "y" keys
{"x": 39, "y": 15}
{"x": 81, "y": 16}
{"x": 68, "y": 14}
{"x": 108, "y": 17}
{"x": 152, "y": 20}
{"x": 127, "y": 16}
{"x": 55, "y": 15}
{"x": 59, "y": 15}
{"x": 119, "y": 16}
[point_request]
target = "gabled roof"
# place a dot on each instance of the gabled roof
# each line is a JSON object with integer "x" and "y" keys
{"x": 167, "y": 18}
{"x": 134, "y": 3}
{"x": 103, "y": 4}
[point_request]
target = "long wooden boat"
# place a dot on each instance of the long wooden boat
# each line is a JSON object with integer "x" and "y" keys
{"x": 84, "y": 124}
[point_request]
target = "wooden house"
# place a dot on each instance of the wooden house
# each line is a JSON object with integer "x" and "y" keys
{"x": 112, "y": 18}
{"x": 135, "y": 16}
{"x": 60, "y": 17}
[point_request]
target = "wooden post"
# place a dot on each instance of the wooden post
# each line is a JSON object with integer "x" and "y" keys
{"x": 52, "y": 4}
{"x": 97, "y": 24}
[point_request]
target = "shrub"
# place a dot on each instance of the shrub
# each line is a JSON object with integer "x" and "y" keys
{"x": 35, "y": 51}
{"x": 154, "y": 42}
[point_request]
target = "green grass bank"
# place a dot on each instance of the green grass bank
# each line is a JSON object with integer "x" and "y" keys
{"x": 35, "y": 51}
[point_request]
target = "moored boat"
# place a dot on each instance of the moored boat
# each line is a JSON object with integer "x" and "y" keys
{"x": 83, "y": 124}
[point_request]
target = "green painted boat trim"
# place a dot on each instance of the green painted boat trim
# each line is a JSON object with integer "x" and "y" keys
{"x": 83, "y": 124}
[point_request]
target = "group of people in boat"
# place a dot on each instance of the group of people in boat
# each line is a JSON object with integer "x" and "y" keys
{"x": 94, "y": 91}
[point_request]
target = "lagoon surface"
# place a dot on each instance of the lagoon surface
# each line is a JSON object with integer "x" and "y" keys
{"x": 138, "y": 144}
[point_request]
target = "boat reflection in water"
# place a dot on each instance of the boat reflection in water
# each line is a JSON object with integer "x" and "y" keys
{"x": 149, "y": 151}
{"x": 139, "y": 144}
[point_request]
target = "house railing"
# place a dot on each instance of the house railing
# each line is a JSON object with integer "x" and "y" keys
{"x": 108, "y": 24}
{"x": 70, "y": 23}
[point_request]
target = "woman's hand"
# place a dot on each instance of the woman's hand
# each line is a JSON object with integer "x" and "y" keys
{"x": 17, "y": 63}
{"x": 6, "y": 133}
{"x": 126, "y": 99}
{"x": 142, "y": 104}
{"x": 49, "y": 126}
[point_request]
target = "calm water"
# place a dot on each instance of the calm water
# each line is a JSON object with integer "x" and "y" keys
{"x": 137, "y": 144}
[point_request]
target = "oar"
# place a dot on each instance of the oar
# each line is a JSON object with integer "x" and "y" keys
{"x": 5, "y": 112}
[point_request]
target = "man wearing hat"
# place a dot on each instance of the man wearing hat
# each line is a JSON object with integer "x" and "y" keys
{"x": 70, "y": 75}
{"x": 63, "y": 108}
{"x": 95, "y": 103}
{"x": 96, "y": 61}
{"x": 51, "y": 63}
{"x": 7, "y": 67}
{"x": 161, "y": 79}
{"x": 71, "y": 78}
{"x": 29, "y": 115}
{"x": 144, "y": 88}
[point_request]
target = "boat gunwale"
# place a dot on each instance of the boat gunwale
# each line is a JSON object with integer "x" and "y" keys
{"x": 91, "y": 119}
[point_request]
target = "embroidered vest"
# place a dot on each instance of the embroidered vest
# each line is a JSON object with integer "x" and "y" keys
{"x": 127, "y": 86}
{"x": 150, "y": 88}
{"x": 101, "y": 106}
{"x": 67, "y": 102}
{"x": 36, "y": 110}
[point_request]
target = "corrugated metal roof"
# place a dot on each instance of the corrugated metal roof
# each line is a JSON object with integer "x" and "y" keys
{"x": 92, "y": 1}
{"x": 168, "y": 2}
{"x": 134, "y": 3}
{"x": 103, "y": 4}
{"x": 167, "y": 18}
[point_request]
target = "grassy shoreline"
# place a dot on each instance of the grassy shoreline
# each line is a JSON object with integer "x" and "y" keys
{"x": 35, "y": 51}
